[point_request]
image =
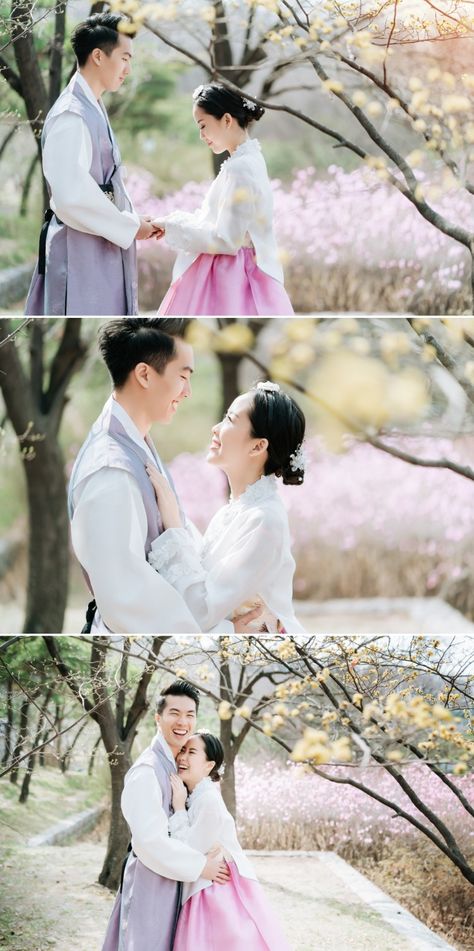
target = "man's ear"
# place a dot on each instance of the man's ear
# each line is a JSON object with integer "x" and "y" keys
{"x": 142, "y": 375}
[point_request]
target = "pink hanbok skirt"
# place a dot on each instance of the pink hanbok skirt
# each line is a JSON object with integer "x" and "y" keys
{"x": 217, "y": 284}
{"x": 232, "y": 917}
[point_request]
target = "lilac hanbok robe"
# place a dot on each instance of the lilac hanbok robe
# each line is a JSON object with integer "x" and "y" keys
{"x": 86, "y": 273}
{"x": 146, "y": 910}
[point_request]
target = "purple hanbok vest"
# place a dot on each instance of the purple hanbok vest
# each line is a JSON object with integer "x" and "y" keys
{"x": 108, "y": 445}
{"x": 146, "y": 909}
{"x": 85, "y": 273}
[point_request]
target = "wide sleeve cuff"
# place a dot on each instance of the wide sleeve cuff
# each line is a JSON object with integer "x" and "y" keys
{"x": 178, "y": 824}
{"x": 175, "y": 556}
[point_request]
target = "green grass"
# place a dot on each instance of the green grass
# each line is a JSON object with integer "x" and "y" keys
{"x": 53, "y": 796}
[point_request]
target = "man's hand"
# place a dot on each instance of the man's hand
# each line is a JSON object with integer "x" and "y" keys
{"x": 216, "y": 869}
{"x": 146, "y": 229}
{"x": 244, "y": 625}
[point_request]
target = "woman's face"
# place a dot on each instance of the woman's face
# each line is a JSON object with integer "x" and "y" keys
{"x": 192, "y": 762}
{"x": 233, "y": 447}
{"x": 216, "y": 133}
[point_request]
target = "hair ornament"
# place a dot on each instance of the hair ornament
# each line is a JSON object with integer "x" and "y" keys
{"x": 298, "y": 459}
{"x": 249, "y": 104}
{"x": 269, "y": 387}
{"x": 198, "y": 90}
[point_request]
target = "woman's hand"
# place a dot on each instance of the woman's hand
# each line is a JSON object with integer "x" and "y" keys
{"x": 179, "y": 792}
{"x": 159, "y": 227}
{"x": 167, "y": 501}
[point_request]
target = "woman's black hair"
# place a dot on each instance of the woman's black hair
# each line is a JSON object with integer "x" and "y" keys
{"x": 216, "y": 99}
{"x": 214, "y": 753}
{"x": 275, "y": 416}
{"x": 128, "y": 341}
{"x": 99, "y": 31}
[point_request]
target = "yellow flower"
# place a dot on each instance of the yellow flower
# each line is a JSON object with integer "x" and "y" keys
{"x": 235, "y": 338}
{"x": 225, "y": 710}
{"x": 332, "y": 85}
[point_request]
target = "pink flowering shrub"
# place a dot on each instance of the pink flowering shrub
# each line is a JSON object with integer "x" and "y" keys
{"x": 348, "y": 243}
{"x": 365, "y": 524}
{"x": 282, "y": 808}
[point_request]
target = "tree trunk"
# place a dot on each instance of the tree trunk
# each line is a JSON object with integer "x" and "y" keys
{"x": 90, "y": 768}
{"x": 119, "y": 835}
{"x": 228, "y": 782}
{"x": 27, "y": 185}
{"x": 9, "y": 723}
{"x": 22, "y": 734}
{"x": 31, "y": 763}
{"x": 229, "y": 364}
{"x": 48, "y": 552}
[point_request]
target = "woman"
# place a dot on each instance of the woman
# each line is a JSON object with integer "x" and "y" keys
{"x": 245, "y": 554}
{"x": 227, "y": 259}
{"x": 232, "y": 916}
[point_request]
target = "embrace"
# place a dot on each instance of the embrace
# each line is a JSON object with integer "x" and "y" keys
{"x": 186, "y": 883}
{"x": 147, "y": 567}
{"x": 227, "y": 258}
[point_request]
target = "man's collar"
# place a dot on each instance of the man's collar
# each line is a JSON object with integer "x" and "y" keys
{"x": 166, "y": 749}
{"x": 79, "y": 78}
{"x": 130, "y": 428}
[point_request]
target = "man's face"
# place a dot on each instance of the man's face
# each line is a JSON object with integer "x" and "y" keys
{"x": 167, "y": 390}
{"x": 114, "y": 67}
{"x": 177, "y": 722}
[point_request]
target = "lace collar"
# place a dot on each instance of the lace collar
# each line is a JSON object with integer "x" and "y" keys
{"x": 264, "y": 488}
{"x": 249, "y": 147}
{"x": 202, "y": 787}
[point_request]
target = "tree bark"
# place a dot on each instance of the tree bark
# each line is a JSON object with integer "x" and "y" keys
{"x": 48, "y": 550}
{"x": 25, "y": 786}
{"x": 22, "y": 735}
{"x": 228, "y": 781}
{"x": 119, "y": 836}
{"x": 36, "y": 413}
{"x": 9, "y": 723}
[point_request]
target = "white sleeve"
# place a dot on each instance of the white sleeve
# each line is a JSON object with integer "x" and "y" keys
{"x": 217, "y": 592}
{"x": 192, "y": 233}
{"x": 203, "y": 832}
{"x": 75, "y": 195}
{"x": 109, "y": 530}
{"x": 142, "y": 806}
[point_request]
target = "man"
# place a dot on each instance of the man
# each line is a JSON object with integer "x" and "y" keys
{"x": 146, "y": 909}
{"x": 87, "y": 259}
{"x": 112, "y": 503}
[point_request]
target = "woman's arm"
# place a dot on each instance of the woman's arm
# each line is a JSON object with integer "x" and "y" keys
{"x": 251, "y": 556}
{"x": 202, "y": 833}
{"x": 236, "y": 211}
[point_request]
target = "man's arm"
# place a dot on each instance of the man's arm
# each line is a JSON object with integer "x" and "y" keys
{"x": 108, "y": 532}
{"x": 142, "y": 807}
{"x": 76, "y": 197}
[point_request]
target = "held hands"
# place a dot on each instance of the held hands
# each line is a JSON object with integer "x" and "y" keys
{"x": 159, "y": 227}
{"x": 167, "y": 501}
{"x": 148, "y": 229}
{"x": 179, "y": 792}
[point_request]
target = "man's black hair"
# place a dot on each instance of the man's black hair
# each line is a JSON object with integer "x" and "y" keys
{"x": 99, "y": 31}
{"x": 127, "y": 341}
{"x": 179, "y": 688}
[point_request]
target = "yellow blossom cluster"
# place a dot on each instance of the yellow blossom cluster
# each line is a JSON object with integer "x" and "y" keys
{"x": 316, "y": 747}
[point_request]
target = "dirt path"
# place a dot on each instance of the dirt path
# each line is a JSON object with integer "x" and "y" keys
{"x": 50, "y": 899}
